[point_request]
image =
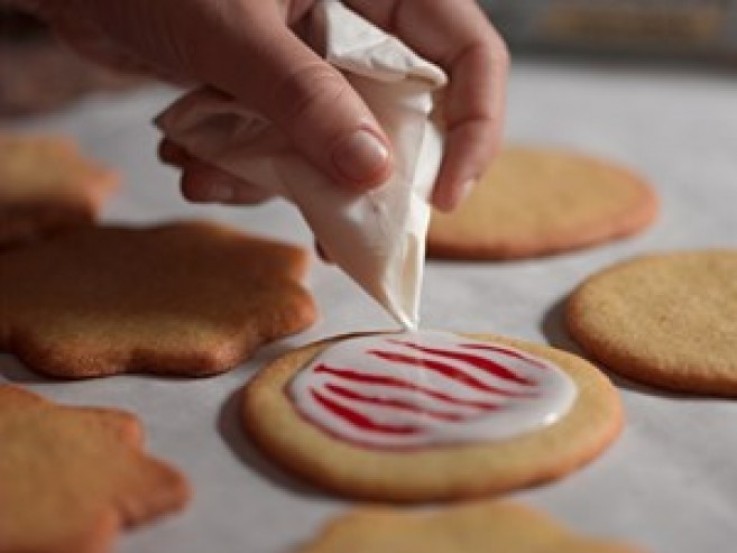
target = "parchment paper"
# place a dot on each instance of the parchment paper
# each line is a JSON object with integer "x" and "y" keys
{"x": 670, "y": 482}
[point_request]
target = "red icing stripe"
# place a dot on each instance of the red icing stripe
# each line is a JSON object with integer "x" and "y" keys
{"x": 479, "y": 362}
{"x": 446, "y": 370}
{"x": 396, "y": 403}
{"x": 355, "y": 376}
{"x": 357, "y": 419}
{"x": 506, "y": 351}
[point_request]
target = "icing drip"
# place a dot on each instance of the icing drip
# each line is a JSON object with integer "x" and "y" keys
{"x": 419, "y": 389}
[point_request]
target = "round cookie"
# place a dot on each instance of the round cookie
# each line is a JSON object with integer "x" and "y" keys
{"x": 534, "y": 202}
{"x": 477, "y": 527}
{"x": 666, "y": 320}
{"x": 432, "y": 472}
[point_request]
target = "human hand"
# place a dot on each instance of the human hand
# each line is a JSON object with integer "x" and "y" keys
{"x": 207, "y": 41}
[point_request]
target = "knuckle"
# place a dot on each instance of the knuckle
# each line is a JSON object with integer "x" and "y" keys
{"x": 191, "y": 189}
{"x": 171, "y": 154}
{"x": 500, "y": 54}
{"x": 493, "y": 51}
{"x": 309, "y": 90}
{"x": 189, "y": 194}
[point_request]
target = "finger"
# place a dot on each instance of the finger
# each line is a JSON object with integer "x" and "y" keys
{"x": 307, "y": 98}
{"x": 86, "y": 38}
{"x": 297, "y": 9}
{"x": 203, "y": 183}
{"x": 457, "y": 35}
{"x": 322, "y": 254}
{"x": 173, "y": 154}
{"x": 476, "y": 99}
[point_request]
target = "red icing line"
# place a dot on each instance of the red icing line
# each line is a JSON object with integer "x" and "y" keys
{"x": 359, "y": 420}
{"x": 396, "y": 403}
{"x": 506, "y": 351}
{"x": 479, "y": 362}
{"x": 355, "y": 376}
{"x": 446, "y": 370}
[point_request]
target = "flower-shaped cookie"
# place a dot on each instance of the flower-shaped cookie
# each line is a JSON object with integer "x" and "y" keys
{"x": 47, "y": 186}
{"x": 71, "y": 477}
{"x": 186, "y": 299}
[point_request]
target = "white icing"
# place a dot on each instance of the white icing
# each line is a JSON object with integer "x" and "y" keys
{"x": 429, "y": 407}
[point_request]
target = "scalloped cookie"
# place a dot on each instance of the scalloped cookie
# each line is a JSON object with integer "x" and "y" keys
{"x": 186, "y": 299}
{"x": 534, "y": 202}
{"x": 482, "y": 527}
{"x": 46, "y": 186}
{"x": 392, "y": 417}
{"x": 72, "y": 477}
{"x": 668, "y": 320}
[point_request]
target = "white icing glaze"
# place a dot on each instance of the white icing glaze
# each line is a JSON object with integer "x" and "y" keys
{"x": 415, "y": 389}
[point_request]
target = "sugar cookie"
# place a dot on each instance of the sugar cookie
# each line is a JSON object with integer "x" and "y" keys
{"x": 534, "y": 202}
{"x": 401, "y": 418}
{"x": 47, "y": 186}
{"x": 71, "y": 477}
{"x": 666, "y": 320}
{"x": 186, "y": 299}
{"x": 480, "y": 527}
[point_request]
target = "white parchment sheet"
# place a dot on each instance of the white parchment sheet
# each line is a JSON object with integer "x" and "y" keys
{"x": 668, "y": 484}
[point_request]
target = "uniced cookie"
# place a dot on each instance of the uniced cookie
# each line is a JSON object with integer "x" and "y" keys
{"x": 72, "y": 477}
{"x": 47, "y": 186}
{"x": 186, "y": 299}
{"x": 420, "y": 417}
{"x": 479, "y": 527}
{"x": 667, "y": 320}
{"x": 534, "y": 202}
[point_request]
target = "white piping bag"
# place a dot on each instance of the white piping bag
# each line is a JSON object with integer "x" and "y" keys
{"x": 377, "y": 238}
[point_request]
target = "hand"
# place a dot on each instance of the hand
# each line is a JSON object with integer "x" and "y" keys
{"x": 251, "y": 50}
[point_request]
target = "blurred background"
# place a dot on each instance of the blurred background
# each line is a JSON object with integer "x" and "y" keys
{"x": 689, "y": 29}
{"x": 39, "y": 75}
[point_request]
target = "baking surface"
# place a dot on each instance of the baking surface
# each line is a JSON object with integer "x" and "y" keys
{"x": 668, "y": 484}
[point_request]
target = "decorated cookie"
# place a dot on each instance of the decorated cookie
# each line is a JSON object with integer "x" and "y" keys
{"x": 47, "y": 186}
{"x": 186, "y": 299}
{"x": 71, "y": 477}
{"x": 430, "y": 415}
{"x": 666, "y": 320}
{"x": 481, "y": 527}
{"x": 534, "y": 202}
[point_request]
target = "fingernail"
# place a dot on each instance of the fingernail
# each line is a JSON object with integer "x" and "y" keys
{"x": 361, "y": 156}
{"x": 220, "y": 192}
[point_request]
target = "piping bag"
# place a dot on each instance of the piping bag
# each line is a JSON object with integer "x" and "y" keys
{"x": 377, "y": 237}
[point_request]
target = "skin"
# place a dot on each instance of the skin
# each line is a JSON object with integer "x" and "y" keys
{"x": 254, "y": 50}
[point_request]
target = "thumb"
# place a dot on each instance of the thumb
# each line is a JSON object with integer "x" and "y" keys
{"x": 312, "y": 102}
